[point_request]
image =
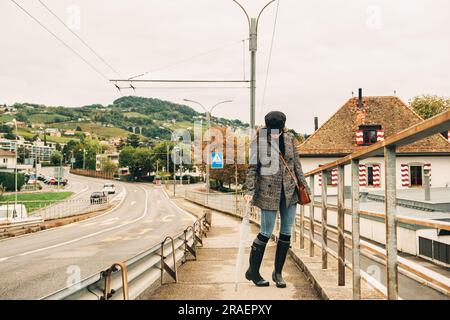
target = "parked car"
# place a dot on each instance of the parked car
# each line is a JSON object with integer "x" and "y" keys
{"x": 109, "y": 188}
{"x": 62, "y": 182}
{"x": 98, "y": 197}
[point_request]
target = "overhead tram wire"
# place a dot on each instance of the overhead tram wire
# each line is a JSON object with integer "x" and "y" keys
{"x": 261, "y": 110}
{"x": 81, "y": 39}
{"x": 187, "y": 59}
{"x": 61, "y": 41}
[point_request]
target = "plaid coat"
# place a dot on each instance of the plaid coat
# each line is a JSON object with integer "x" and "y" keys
{"x": 266, "y": 188}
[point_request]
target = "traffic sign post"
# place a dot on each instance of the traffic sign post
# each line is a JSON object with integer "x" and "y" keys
{"x": 217, "y": 160}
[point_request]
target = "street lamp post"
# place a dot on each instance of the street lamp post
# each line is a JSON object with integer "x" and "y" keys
{"x": 208, "y": 123}
{"x": 15, "y": 170}
{"x": 253, "y": 46}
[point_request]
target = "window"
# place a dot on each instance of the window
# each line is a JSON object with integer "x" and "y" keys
{"x": 5, "y": 160}
{"x": 369, "y": 134}
{"x": 370, "y": 176}
{"x": 416, "y": 175}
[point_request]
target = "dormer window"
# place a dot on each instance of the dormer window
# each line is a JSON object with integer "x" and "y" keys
{"x": 368, "y": 135}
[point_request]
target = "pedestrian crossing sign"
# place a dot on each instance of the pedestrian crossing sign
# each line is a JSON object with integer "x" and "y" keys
{"x": 217, "y": 160}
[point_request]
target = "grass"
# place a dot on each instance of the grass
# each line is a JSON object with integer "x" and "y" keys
{"x": 46, "y": 117}
{"x": 36, "y": 200}
{"x": 27, "y": 134}
{"x": 99, "y": 130}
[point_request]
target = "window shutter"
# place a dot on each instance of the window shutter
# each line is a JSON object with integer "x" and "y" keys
{"x": 360, "y": 137}
{"x": 405, "y": 175}
{"x": 376, "y": 175}
{"x": 334, "y": 177}
{"x": 380, "y": 135}
{"x": 362, "y": 175}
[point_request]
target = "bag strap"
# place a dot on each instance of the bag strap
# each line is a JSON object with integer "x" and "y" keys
{"x": 288, "y": 169}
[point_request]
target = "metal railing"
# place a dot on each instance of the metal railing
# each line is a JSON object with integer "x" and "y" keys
{"x": 137, "y": 274}
{"x": 386, "y": 148}
{"x": 51, "y": 210}
{"x": 338, "y": 233}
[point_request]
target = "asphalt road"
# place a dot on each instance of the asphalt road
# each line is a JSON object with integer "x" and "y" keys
{"x": 36, "y": 265}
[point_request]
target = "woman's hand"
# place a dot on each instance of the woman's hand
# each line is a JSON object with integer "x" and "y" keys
{"x": 248, "y": 198}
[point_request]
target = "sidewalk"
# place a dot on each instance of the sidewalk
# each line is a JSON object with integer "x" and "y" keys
{"x": 212, "y": 275}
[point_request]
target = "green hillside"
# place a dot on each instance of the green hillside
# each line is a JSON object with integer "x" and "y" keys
{"x": 155, "y": 117}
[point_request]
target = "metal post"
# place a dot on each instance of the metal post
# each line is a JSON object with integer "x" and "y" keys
{"x": 174, "y": 177}
{"x": 311, "y": 218}
{"x": 427, "y": 184}
{"x": 356, "y": 232}
{"x": 341, "y": 226}
{"x": 324, "y": 220}
{"x": 253, "y": 49}
{"x": 391, "y": 222}
{"x": 208, "y": 121}
{"x": 302, "y": 227}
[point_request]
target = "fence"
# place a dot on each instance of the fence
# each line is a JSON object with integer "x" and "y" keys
{"x": 308, "y": 227}
{"x": 50, "y": 210}
{"x": 93, "y": 173}
{"x": 141, "y": 272}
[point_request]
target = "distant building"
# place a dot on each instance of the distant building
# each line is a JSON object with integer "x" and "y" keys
{"x": 69, "y": 133}
{"x": 353, "y": 127}
{"x": 53, "y": 132}
{"x": 7, "y": 160}
{"x": 37, "y": 149}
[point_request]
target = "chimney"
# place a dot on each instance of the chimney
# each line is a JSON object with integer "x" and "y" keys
{"x": 360, "y": 98}
{"x": 316, "y": 124}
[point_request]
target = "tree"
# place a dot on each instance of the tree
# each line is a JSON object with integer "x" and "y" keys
{"x": 56, "y": 158}
{"x": 78, "y": 129}
{"x": 227, "y": 175}
{"x": 10, "y": 136}
{"x": 138, "y": 160}
{"x": 108, "y": 166}
{"x": 133, "y": 140}
{"x": 427, "y": 106}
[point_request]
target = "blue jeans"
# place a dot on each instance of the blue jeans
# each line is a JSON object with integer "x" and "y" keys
{"x": 287, "y": 216}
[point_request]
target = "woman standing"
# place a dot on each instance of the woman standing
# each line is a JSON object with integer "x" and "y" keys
{"x": 271, "y": 187}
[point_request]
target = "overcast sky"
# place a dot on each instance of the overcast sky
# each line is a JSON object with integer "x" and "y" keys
{"x": 323, "y": 50}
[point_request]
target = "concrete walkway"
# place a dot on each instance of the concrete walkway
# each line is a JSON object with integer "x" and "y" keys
{"x": 212, "y": 275}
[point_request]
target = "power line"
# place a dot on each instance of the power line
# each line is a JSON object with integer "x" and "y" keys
{"x": 186, "y": 59}
{"x": 61, "y": 41}
{"x": 270, "y": 60}
{"x": 79, "y": 38}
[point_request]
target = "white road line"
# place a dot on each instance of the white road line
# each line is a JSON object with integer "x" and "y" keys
{"x": 182, "y": 210}
{"x": 4, "y": 259}
{"x": 87, "y": 236}
{"x": 133, "y": 203}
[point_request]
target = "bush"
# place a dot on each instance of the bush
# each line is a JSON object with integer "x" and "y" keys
{"x": 7, "y": 180}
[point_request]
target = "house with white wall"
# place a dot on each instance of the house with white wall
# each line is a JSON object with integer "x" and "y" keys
{"x": 362, "y": 122}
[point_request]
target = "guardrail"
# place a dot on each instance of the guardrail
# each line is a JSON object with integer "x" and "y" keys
{"x": 11, "y": 228}
{"x": 129, "y": 279}
{"x": 386, "y": 148}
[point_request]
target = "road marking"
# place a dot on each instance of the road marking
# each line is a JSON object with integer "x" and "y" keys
{"x": 133, "y": 203}
{"x": 4, "y": 259}
{"x": 194, "y": 219}
{"x": 145, "y": 213}
{"x": 167, "y": 218}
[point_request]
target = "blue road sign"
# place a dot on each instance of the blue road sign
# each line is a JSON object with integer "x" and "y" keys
{"x": 217, "y": 160}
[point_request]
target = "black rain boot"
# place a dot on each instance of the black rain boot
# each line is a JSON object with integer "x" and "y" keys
{"x": 280, "y": 258}
{"x": 256, "y": 256}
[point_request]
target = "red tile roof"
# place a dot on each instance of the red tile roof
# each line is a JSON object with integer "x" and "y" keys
{"x": 337, "y": 136}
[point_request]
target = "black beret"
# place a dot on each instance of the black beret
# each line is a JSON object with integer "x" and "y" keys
{"x": 275, "y": 120}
